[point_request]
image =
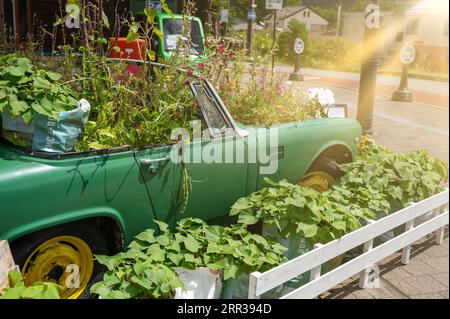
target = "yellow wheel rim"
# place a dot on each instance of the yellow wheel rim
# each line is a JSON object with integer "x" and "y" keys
{"x": 320, "y": 181}
{"x": 64, "y": 260}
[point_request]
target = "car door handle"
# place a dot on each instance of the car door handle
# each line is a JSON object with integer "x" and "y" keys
{"x": 151, "y": 161}
{"x": 152, "y": 169}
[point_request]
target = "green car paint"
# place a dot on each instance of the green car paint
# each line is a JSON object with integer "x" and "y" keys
{"x": 134, "y": 187}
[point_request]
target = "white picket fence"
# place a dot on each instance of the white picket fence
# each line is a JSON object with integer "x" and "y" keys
{"x": 434, "y": 211}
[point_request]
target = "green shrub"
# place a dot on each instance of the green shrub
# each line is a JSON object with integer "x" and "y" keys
{"x": 286, "y": 40}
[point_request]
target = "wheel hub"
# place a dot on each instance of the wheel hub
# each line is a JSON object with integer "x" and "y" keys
{"x": 64, "y": 260}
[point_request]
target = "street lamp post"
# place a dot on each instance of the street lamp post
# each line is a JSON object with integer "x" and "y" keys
{"x": 407, "y": 56}
{"x": 369, "y": 69}
{"x": 403, "y": 94}
{"x": 299, "y": 46}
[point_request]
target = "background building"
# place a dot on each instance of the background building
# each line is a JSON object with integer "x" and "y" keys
{"x": 425, "y": 25}
{"x": 315, "y": 23}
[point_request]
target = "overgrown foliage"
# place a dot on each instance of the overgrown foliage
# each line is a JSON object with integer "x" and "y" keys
{"x": 296, "y": 210}
{"x": 377, "y": 182}
{"x": 253, "y": 95}
{"x": 146, "y": 269}
{"x": 27, "y": 89}
{"x": 384, "y": 181}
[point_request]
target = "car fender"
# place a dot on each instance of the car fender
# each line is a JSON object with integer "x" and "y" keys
{"x": 64, "y": 218}
{"x": 324, "y": 147}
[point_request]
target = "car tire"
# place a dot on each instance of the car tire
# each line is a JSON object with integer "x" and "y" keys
{"x": 90, "y": 234}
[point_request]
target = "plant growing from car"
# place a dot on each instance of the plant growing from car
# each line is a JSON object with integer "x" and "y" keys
{"x": 27, "y": 89}
{"x": 147, "y": 268}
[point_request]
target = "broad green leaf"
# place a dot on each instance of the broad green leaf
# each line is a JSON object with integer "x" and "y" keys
{"x": 308, "y": 230}
{"x": 191, "y": 244}
{"x": 147, "y": 236}
{"x": 230, "y": 272}
{"x": 156, "y": 253}
{"x": 13, "y": 293}
{"x": 53, "y": 76}
{"x": 247, "y": 219}
{"x": 163, "y": 227}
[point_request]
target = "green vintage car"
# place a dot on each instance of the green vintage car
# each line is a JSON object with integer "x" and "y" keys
{"x": 58, "y": 210}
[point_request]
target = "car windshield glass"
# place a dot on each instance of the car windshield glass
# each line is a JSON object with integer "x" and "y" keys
{"x": 173, "y": 31}
{"x": 210, "y": 109}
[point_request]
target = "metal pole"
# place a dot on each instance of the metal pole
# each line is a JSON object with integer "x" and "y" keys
{"x": 251, "y": 5}
{"x": 225, "y": 31}
{"x": 368, "y": 78}
{"x": 274, "y": 38}
{"x": 338, "y": 23}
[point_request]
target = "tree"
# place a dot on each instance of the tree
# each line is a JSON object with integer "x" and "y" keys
{"x": 286, "y": 39}
{"x": 330, "y": 14}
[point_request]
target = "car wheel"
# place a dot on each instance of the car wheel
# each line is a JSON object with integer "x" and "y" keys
{"x": 322, "y": 177}
{"x": 63, "y": 255}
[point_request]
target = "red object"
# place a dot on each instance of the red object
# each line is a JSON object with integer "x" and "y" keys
{"x": 135, "y": 50}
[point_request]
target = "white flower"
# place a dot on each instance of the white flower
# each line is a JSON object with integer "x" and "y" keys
{"x": 325, "y": 96}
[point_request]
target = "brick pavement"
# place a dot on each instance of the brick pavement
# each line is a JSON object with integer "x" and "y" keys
{"x": 425, "y": 277}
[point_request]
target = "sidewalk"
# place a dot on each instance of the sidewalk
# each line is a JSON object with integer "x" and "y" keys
{"x": 425, "y": 277}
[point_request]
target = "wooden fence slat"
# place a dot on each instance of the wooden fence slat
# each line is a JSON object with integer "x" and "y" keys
{"x": 406, "y": 252}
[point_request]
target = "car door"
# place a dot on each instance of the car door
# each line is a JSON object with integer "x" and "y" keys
{"x": 218, "y": 162}
{"x": 217, "y": 180}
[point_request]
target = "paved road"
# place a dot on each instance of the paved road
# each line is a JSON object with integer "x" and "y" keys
{"x": 427, "y": 92}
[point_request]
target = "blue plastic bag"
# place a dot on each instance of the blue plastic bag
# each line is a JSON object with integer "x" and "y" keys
{"x": 60, "y": 136}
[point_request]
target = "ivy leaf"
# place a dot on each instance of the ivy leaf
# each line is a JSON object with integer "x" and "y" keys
{"x": 147, "y": 236}
{"x": 191, "y": 244}
{"x": 156, "y": 253}
{"x": 41, "y": 83}
{"x": 230, "y": 272}
{"x": 308, "y": 230}
{"x": 53, "y": 76}
{"x": 247, "y": 219}
{"x": 163, "y": 227}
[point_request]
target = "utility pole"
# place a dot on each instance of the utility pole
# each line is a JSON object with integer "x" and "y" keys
{"x": 369, "y": 68}
{"x": 225, "y": 30}
{"x": 274, "y": 40}
{"x": 338, "y": 23}
{"x": 251, "y": 8}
